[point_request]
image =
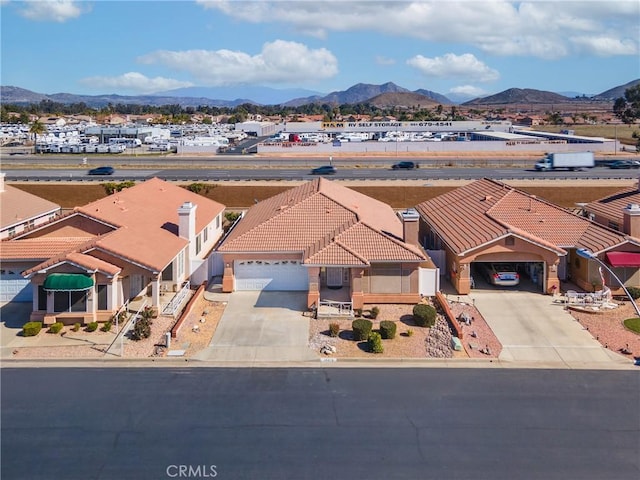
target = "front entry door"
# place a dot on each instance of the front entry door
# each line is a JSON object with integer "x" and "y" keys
{"x": 334, "y": 277}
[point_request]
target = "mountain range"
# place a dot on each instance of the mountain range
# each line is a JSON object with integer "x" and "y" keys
{"x": 387, "y": 94}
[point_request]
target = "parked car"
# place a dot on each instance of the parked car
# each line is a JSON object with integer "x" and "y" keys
{"x": 502, "y": 274}
{"x": 624, "y": 164}
{"x": 324, "y": 170}
{"x": 102, "y": 171}
{"x": 404, "y": 166}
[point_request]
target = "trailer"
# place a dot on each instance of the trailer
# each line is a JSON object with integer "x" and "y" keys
{"x": 568, "y": 160}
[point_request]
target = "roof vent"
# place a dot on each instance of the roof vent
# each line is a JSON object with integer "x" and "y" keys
{"x": 487, "y": 198}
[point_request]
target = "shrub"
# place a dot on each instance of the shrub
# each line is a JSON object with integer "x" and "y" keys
{"x": 141, "y": 329}
{"x": 334, "y": 329}
{"x": 106, "y": 327}
{"x": 31, "y": 329}
{"x": 56, "y": 327}
{"x": 361, "y": 329}
{"x": 374, "y": 312}
{"x": 357, "y": 312}
{"x": 387, "y": 329}
{"x": 424, "y": 315}
{"x": 375, "y": 342}
{"x": 409, "y": 333}
{"x": 231, "y": 216}
{"x": 76, "y": 327}
{"x": 634, "y": 292}
{"x": 92, "y": 326}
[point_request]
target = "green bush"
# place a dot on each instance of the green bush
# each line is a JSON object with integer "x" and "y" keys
{"x": 632, "y": 324}
{"x": 76, "y": 327}
{"x": 374, "y": 312}
{"x": 424, "y": 315}
{"x": 409, "y": 333}
{"x": 92, "y": 326}
{"x": 357, "y": 312}
{"x": 334, "y": 329}
{"x": 375, "y": 342}
{"x": 634, "y": 292}
{"x": 31, "y": 329}
{"x": 361, "y": 329}
{"x": 106, "y": 327}
{"x": 56, "y": 327}
{"x": 231, "y": 216}
{"x": 141, "y": 329}
{"x": 387, "y": 329}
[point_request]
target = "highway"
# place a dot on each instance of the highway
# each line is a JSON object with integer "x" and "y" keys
{"x": 317, "y": 423}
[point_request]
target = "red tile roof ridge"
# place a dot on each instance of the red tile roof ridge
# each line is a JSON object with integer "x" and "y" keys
{"x": 93, "y": 263}
{"x": 329, "y": 237}
{"x": 401, "y": 243}
{"x": 62, "y": 256}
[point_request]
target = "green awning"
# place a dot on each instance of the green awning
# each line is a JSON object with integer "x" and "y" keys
{"x": 68, "y": 282}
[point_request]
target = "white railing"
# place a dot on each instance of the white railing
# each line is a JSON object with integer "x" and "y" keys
{"x": 329, "y": 308}
{"x": 172, "y": 307}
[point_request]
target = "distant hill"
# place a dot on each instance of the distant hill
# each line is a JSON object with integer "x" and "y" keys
{"x": 402, "y": 99}
{"x": 616, "y": 92}
{"x": 258, "y": 95}
{"x": 519, "y": 96}
{"x": 362, "y": 93}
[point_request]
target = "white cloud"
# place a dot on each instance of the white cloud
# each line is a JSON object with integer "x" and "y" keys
{"x": 50, "y": 10}
{"x": 539, "y": 28}
{"x": 454, "y": 66}
{"x": 279, "y": 62}
{"x": 135, "y": 82}
{"x": 468, "y": 91}
{"x": 605, "y": 46}
{"x": 384, "y": 61}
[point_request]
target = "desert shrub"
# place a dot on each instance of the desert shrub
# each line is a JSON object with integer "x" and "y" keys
{"x": 92, "y": 326}
{"x": 375, "y": 342}
{"x": 334, "y": 329}
{"x": 231, "y": 216}
{"x": 141, "y": 329}
{"x": 113, "y": 187}
{"x": 56, "y": 327}
{"x": 424, "y": 315}
{"x": 361, "y": 329}
{"x": 76, "y": 327}
{"x": 148, "y": 313}
{"x": 198, "y": 187}
{"x": 409, "y": 333}
{"x": 387, "y": 329}
{"x": 31, "y": 329}
{"x": 374, "y": 312}
{"x": 106, "y": 327}
{"x": 357, "y": 312}
{"x": 634, "y": 292}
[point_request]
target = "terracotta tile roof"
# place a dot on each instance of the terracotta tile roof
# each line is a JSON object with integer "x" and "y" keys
{"x": 611, "y": 207}
{"x": 38, "y": 248}
{"x": 19, "y": 206}
{"x": 93, "y": 263}
{"x": 315, "y": 218}
{"x": 482, "y": 211}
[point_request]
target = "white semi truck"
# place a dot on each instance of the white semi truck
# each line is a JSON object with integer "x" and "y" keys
{"x": 568, "y": 160}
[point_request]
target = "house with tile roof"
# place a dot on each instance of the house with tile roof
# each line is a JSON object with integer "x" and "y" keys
{"x": 328, "y": 240}
{"x": 143, "y": 241}
{"x": 488, "y": 221}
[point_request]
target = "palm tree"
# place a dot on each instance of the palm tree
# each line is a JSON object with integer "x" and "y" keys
{"x": 37, "y": 128}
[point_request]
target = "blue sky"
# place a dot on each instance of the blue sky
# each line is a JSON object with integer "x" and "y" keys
{"x": 470, "y": 48}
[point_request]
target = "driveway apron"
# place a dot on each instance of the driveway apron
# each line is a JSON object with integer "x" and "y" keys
{"x": 262, "y": 327}
{"x": 532, "y": 328}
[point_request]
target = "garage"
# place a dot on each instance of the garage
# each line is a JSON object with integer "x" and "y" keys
{"x": 508, "y": 275}
{"x": 283, "y": 275}
{"x": 14, "y": 287}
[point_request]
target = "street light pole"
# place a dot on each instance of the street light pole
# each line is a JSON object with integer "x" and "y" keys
{"x": 584, "y": 253}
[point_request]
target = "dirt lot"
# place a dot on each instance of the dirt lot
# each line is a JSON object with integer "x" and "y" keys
{"x": 398, "y": 196}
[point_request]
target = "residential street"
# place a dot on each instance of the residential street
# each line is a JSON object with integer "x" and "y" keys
{"x": 139, "y": 423}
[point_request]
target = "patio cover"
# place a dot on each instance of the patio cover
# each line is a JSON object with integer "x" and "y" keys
{"x": 68, "y": 282}
{"x": 623, "y": 259}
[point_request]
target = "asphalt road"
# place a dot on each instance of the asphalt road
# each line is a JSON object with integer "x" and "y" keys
{"x": 339, "y": 423}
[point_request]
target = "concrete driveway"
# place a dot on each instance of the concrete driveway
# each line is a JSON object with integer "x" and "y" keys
{"x": 532, "y": 328}
{"x": 262, "y": 327}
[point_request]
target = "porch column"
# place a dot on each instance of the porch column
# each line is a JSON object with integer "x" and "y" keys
{"x": 552, "y": 280}
{"x": 463, "y": 279}
{"x": 227, "y": 277}
{"x": 357, "y": 293}
{"x": 314, "y": 286}
{"x": 155, "y": 290}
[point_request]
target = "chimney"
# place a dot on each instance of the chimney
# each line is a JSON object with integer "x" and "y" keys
{"x": 187, "y": 221}
{"x": 410, "y": 226}
{"x": 631, "y": 220}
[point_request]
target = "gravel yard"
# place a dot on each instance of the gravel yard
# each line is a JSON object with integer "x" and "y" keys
{"x": 402, "y": 346}
{"x": 477, "y": 336}
{"x": 199, "y": 326}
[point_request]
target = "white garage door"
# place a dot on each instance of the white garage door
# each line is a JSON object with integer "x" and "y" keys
{"x": 14, "y": 288}
{"x": 270, "y": 275}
